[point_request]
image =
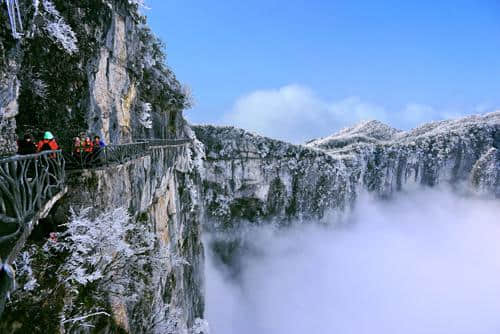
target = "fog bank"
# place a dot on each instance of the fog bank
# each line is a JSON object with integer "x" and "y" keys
{"x": 427, "y": 262}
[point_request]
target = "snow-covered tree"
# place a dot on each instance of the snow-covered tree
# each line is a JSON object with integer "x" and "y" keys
{"x": 145, "y": 117}
{"x": 57, "y": 28}
{"x": 99, "y": 256}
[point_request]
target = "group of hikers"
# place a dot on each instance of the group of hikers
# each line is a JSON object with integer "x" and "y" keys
{"x": 83, "y": 146}
{"x": 27, "y": 145}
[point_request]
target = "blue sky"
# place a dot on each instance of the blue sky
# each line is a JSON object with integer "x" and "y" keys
{"x": 251, "y": 63}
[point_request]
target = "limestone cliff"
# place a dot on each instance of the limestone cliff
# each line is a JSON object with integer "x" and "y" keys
{"x": 91, "y": 66}
{"x": 252, "y": 178}
{"x": 121, "y": 252}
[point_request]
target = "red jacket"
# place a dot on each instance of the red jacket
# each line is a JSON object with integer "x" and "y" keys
{"x": 52, "y": 144}
{"x": 88, "y": 146}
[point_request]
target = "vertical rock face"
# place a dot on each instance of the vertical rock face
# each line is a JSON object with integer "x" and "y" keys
{"x": 486, "y": 173}
{"x": 9, "y": 88}
{"x": 252, "y": 178}
{"x": 113, "y": 92}
{"x": 9, "y": 91}
{"x": 93, "y": 67}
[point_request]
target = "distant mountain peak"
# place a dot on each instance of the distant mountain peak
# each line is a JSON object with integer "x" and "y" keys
{"x": 365, "y": 131}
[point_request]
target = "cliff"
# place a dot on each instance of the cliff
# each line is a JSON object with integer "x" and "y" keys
{"x": 121, "y": 252}
{"x": 91, "y": 66}
{"x": 253, "y": 178}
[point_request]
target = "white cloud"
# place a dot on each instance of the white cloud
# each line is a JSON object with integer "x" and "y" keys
{"x": 426, "y": 262}
{"x": 296, "y": 113}
{"x": 291, "y": 112}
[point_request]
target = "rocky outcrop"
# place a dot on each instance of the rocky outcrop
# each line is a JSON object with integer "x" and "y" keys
{"x": 252, "y": 178}
{"x": 486, "y": 173}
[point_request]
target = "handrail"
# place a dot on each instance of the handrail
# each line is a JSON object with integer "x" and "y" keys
{"x": 27, "y": 183}
{"x": 116, "y": 153}
{"x": 110, "y": 154}
{"x": 166, "y": 142}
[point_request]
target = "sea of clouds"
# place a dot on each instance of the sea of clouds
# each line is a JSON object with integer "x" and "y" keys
{"x": 425, "y": 262}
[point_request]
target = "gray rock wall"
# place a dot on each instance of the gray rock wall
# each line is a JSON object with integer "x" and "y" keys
{"x": 9, "y": 89}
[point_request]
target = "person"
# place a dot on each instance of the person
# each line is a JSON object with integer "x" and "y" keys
{"x": 26, "y": 145}
{"x": 87, "y": 145}
{"x": 87, "y": 148}
{"x": 77, "y": 148}
{"x": 98, "y": 143}
{"x": 48, "y": 143}
{"x": 96, "y": 153}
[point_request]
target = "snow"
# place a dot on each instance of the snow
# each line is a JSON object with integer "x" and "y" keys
{"x": 23, "y": 268}
{"x": 365, "y": 131}
{"x": 145, "y": 118}
{"x": 200, "y": 327}
{"x": 58, "y": 29}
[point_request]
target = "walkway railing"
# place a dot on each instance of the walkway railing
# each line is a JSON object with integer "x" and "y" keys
{"x": 111, "y": 154}
{"x": 166, "y": 142}
{"x": 116, "y": 154}
{"x": 27, "y": 183}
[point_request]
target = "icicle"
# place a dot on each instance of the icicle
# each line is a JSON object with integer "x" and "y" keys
{"x": 14, "y": 17}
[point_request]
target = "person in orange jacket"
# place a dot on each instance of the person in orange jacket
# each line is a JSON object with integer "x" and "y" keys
{"x": 48, "y": 143}
{"x": 88, "y": 145}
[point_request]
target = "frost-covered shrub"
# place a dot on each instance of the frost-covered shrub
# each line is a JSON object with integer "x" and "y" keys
{"x": 96, "y": 246}
{"x": 189, "y": 101}
{"x": 200, "y": 327}
{"x": 138, "y": 3}
{"x": 78, "y": 270}
{"x": 57, "y": 28}
{"x": 145, "y": 117}
{"x": 25, "y": 272}
{"x": 39, "y": 88}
